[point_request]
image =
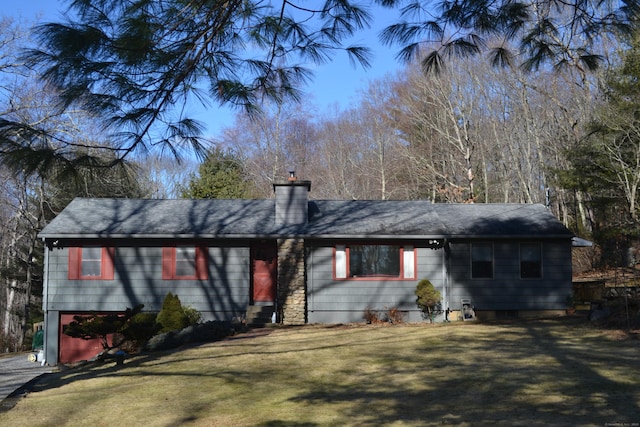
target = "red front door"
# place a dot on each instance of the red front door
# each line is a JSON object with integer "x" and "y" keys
{"x": 264, "y": 261}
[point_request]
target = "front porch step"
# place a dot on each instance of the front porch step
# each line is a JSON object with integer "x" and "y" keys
{"x": 259, "y": 315}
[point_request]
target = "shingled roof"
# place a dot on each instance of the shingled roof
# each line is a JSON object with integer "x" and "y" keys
{"x": 215, "y": 218}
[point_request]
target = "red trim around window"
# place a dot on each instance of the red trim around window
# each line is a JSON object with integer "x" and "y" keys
{"x": 169, "y": 264}
{"x": 400, "y": 277}
{"x": 106, "y": 264}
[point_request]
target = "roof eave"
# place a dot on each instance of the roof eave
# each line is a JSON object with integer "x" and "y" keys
{"x": 510, "y": 236}
{"x": 361, "y": 236}
{"x": 163, "y": 236}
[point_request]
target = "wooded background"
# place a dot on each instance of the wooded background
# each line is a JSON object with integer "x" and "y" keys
{"x": 565, "y": 137}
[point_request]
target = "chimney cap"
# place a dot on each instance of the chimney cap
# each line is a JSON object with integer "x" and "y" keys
{"x": 292, "y": 180}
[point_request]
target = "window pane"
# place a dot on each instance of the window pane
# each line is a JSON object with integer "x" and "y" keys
{"x": 91, "y": 264}
{"x": 482, "y": 260}
{"x": 408, "y": 263}
{"x": 341, "y": 261}
{"x": 185, "y": 261}
{"x": 374, "y": 260}
{"x": 530, "y": 260}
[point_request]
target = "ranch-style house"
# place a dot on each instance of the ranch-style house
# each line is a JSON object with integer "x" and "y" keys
{"x": 297, "y": 260}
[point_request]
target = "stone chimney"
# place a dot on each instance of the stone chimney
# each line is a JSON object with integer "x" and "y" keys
{"x": 292, "y": 209}
{"x": 292, "y": 201}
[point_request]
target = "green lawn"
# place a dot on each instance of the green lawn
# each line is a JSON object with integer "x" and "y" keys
{"x": 544, "y": 372}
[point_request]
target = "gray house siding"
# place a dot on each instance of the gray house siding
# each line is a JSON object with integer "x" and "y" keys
{"x": 138, "y": 280}
{"x": 507, "y": 290}
{"x": 138, "y": 229}
{"x": 334, "y": 301}
{"x": 431, "y": 265}
{"x": 341, "y": 301}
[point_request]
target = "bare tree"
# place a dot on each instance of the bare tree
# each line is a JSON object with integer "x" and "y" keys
{"x": 359, "y": 150}
{"x": 439, "y": 112}
{"x": 386, "y": 168}
{"x": 164, "y": 177}
{"x": 18, "y": 196}
{"x": 342, "y": 155}
{"x": 280, "y": 139}
{"x": 20, "y": 249}
{"x": 32, "y": 193}
{"x": 491, "y": 135}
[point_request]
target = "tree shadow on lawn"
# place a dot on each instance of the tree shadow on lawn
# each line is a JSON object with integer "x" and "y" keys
{"x": 597, "y": 383}
{"x": 84, "y": 370}
{"x": 67, "y": 374}
{"x": 528, "y": 372}
{"x": 561, "y": 386}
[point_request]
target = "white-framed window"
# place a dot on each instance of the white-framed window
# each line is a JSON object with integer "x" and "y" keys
{"x": 374, "y": 261}
{"x": 91, "y": 263}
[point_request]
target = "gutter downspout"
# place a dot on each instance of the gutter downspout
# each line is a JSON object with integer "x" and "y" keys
{"x": 446, "y": 259}
{"x": 45, "y": 302}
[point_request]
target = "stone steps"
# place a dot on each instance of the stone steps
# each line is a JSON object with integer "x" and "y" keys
{"x": 259, "y": 315}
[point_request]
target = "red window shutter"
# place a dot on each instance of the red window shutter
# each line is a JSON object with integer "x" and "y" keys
{"x": 73, "y": 272}
{"x": 108, "y": 259}
{"x": 168, "y": 263}
{"x": 202, "y": 267}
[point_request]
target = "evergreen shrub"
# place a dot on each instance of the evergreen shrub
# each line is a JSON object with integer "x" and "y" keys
{"x": 172, "y": 317}
{"x": 141, "y": 328}
{"x": 427, "y": 298}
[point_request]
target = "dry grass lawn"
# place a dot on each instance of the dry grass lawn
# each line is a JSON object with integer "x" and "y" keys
{"x": 533, "y": 373}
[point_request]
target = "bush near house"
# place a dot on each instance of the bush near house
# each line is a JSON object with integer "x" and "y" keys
{"x": 174, "y": 316}
{"x": 199, "y": 333}
{"x": 394, "y": 315}
{"x": 98, "y": 326}
{"x": 134, "y": 330}
{"x": 141, "y": 328}
{"x": 388, "y": 315}
{"x": 427, "y": 298}
{"x": 618, "y": 312}
{"x": 177, "y": 325}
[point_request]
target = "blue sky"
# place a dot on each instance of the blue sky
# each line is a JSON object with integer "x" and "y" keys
{"x": 334, "y": 84}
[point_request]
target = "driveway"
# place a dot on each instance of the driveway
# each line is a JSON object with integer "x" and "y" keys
{"x": 16, "y": 371}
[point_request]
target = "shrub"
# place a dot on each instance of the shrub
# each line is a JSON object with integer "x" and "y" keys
{"x": 141, "y": 328}
{"x": 101, "y": 326}
{"x": 394, "y": 315}
{"x": 428, "y": 298}
{"x": 193, "y": 315}
{"x": 9, "y": 343}
{"x": 173, "y": 316}
{"x": 202, "y": 332}
{"x": 388, "y": 315}
{"x": 371, "y": 316}
{"x": 618, "y": 312}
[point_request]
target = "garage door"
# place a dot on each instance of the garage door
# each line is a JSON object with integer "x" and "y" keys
{"x": 73, "y": 350}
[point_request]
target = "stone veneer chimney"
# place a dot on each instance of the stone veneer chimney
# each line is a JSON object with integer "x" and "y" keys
{"x": 292, "y": 209}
